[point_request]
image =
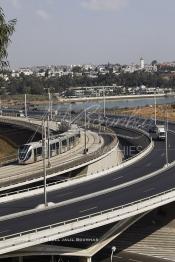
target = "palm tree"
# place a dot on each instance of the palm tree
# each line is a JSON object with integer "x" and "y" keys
{"x": 6, "y": 30}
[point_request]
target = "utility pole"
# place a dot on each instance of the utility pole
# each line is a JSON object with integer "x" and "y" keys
{"x": 48, "y": 141}
{"x": 70, "y": 113}
{"x": 25, "y": 104}
{"x": 85, "y": 128}
{"x": 0, "y": 104}
{"x": 155, "y": 108}
{"x": 99, "y": 128}
{"x": 44, "y": 161}
{"x": 166, "y": 137}
{"x": 104, "y": 102}
{"x": 49, "y": 109}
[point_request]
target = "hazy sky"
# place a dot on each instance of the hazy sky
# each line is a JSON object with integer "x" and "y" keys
{"x": 90, "y": 31}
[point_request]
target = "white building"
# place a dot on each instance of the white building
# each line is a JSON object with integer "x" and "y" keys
{"x": 26, "y": 71}
{"x": 142, "y": 63}
{"x": 15, "y": 73}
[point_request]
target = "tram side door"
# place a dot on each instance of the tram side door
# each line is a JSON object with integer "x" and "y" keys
{"x": 35, "y": 155}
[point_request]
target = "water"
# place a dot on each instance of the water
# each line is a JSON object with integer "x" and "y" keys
{"x": 79, "y": 106}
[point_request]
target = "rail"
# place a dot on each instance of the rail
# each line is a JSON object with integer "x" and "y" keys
{"x": 83, "y": 160}
{"x": 124, "y": 163}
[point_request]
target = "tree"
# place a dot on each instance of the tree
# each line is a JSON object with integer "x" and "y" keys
{"x": 6, "y": 31}
{"x": 154, "y": 62}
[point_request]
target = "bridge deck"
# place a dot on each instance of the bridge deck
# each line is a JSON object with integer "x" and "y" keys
{"x": 15, "y": 170}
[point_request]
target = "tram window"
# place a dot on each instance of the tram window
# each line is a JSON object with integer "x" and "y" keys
{"x": 39, "y": 151}
{"x": 64, "y": 142}
{"x": 57, "y": 145}
{"x": 52, "y": 147}
{"x": 23, "y": 151}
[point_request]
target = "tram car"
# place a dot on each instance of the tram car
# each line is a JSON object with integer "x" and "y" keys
{"x": 33, "y": 152}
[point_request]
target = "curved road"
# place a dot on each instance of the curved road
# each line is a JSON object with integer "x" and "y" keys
{"x": 154, "y": 161}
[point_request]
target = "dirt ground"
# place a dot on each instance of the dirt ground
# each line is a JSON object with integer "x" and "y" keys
{"x": 162, "y": 111}
{"x": 7, "y": 151}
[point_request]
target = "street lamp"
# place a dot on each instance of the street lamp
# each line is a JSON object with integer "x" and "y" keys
{"x": 104, "y": 102}
{"x": 166, "y": 136}
{"x": 50, "y": 104}
{"x": 155, "y": 108}
{"x": 48, "y": 141}
{"x": 113, "y": 249}
{"x": 85, "y": 128}
{"x": 25, "y": 105}
{"x": 99, "y": 128}
{"x": 44, "y": 161}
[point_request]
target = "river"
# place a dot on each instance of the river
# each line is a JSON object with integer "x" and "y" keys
{"x": 128, "y": 103}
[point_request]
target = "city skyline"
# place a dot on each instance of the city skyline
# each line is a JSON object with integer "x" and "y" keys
{"x": 90, "y": 31}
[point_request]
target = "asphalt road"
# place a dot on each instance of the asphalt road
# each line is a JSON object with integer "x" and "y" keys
{"x": 140, "y": 190}
{"x": 152, "y": 162}
{"x": 154, "y": 185}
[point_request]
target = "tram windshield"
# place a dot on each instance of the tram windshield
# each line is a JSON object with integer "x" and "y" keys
{"x": 23, "y": 151}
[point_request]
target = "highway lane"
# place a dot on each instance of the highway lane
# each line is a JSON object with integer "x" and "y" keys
{"x": 152, "y": 162}
{"x": 155, "y": 185}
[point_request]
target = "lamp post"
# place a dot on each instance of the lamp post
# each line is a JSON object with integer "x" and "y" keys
{"x": 85, "y": 128}
{"x": 155, "y": 108}
{"x": 99, "y": 128}
{"x": 44, "y": 161}
{"x": 166, "y": 137}
{"x": 104, "y": 102}
{"x": 48, "y": 141}
{"x": 113, "y": 249}
{"x": 50, "y": 105}
{"x": 70, "y": 113}
{"x": 25, "y": 105}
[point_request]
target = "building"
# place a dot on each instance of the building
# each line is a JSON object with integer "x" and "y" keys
{"x": 142, "y": 63}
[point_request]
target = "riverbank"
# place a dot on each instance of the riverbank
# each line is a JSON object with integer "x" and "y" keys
{"x": 111, "y": 98}
{"x": 17, "y": 101}
{"x": 7, "y": 151}
{"x": 162, "y": 111}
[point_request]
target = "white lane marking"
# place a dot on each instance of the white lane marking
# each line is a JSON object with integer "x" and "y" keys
{"x": 85, "y": 210}
{"x": 148, "y": 190}
{"x": 118, "y": 257}
{"x": 118, "y": 178}
{"x": 134, "y": 260}
{"x": 65, "y": 194}
{"x": 172, "y": 131}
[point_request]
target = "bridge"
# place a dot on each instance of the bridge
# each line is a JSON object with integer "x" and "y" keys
{"x": 121, "y": 193}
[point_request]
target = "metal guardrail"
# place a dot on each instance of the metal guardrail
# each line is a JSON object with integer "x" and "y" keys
{"x": 36, "y": 230}
{"x": 30, "y": 125}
